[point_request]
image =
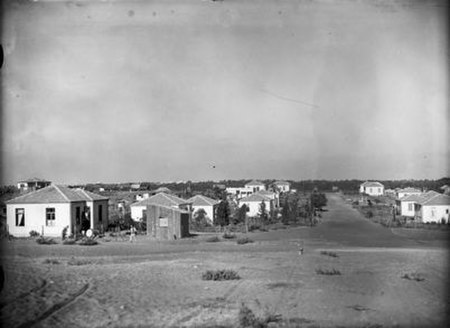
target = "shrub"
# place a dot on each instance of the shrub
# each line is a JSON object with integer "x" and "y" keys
{"x": 244, "y": 240}
{"x": 248, "y": 319}
{"x": 87, "y": 242}
{"x": 213, "y": 239}
{"x": 369, "y": 214}
{"x": 74, "y": 261}
{"x": 64, "y": 232}
{"x": 332, "y": 254}
{"x": 51, "y": 261}
{"x": 413, "y": 276}
{"x": 45, "y": 241}
{"x": 69, "y": 241}
{"x": 219, "y": 275}
{"x": 228, "y": 235}
{"x": 34, "y": 233}
{"x": 332, "y": 272}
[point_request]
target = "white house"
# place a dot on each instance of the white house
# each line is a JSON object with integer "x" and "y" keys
{"x": 372, "y": 188}
{"x": 433, "y": 207}
{"x": 255, "y": 185}
{"x": 49, "y": 210}
{"x": 272, "y": 195}
{"x": 239, "y": 192}
{"x": 407, "y": 192}
{"x": 253, "y": 203}
{"x": 282, "y": 186}
{"x": 32, "y": 184}
{"x": 405, "y": 205}
{"x": 209, "y": 205}
{"x": 162, "y": 199}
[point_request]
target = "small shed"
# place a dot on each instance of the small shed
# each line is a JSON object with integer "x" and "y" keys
{"x": 167, "y": 223}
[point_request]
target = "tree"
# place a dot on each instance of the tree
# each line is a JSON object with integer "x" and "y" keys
{"x": 240, "y": 214}
{"x": 318, "y": 200}
{"x": 264, "y": 217}
{"x": 223, "y": 213}
{"x": 199, "y": 220}
{"x": 285, "y": 212}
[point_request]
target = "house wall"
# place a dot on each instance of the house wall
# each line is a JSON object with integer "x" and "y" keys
{"x": 283, "y": 188}
{"x": 374, "y": 191}
{"x": 208, "y": 209}
{"x": 407, "y": 209}
{"x": 35, "y": 219}
{"x": 404, "y": 194}
{"x": 435, "y": 213}
{"x": 255, "y": 188}
{"x": 95, "y": 219}
{"x": 254, "y": 207}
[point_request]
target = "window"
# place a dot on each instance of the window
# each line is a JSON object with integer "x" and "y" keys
{"x": 50, "y": 216}
{"x": 410, "y": 206}
{"x": 100, "y": 213}
{"x": 20, "y": 217}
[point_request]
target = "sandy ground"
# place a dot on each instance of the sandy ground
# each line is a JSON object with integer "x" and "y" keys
{"x": 159, "y": 284}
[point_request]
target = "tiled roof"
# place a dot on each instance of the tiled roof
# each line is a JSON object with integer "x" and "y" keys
{"x": 436, "y": 199}
{"x": 409, "y": 190}
{"x": 254, "y": 183}
{"x": 255, "y": 198}
{"x": 56, "y": 194}
{"x": 200, "y": 200}
{"x": 282, "y": 183}
{"x": 372, "y": 184}
{"x": 412, "y": 198}
{"x": 162, "y": 199}
{"x": 265, "y": 193}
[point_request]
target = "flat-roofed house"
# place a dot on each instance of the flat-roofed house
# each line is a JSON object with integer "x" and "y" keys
{"x": 407, "y": 192}
{"x": 49, "y": 210}
{"x": 255, "y": 185}
{"x": 209, "y": 205}
{"x": 32, "y": 184}
{"x": 282, "y": 186}
{"x": 253, "y": 203}
{"x": 372, "y": 188}
{"x": 138, "y": 209}
{"x": 239, "y": 192}
{"x": 432, "y": 207}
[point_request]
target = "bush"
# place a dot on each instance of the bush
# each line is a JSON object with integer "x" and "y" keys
{"x": 51, "y": 261}
{"x": 244, "y": 240}
{"x": 74, "y": 261}
{"x": 34, "y": 233}
{"x": 219, "y": 275}
{"x": 228, "y": 235}
{"x": 332, "y": 272}
{"x": 45, "y": 241}
{"x": 248, "y": 319}
{"x": 69, "y": 241}
{"x": 87, "y": 242}
{"x": 413, "y": 276}
{"x": 64, "y": 233}
{"x": 332, "y": 254}
{"x": 369, "y": 214}
{"x": 213, "y": 239}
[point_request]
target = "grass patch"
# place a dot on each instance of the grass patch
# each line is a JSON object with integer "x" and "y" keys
{"x": 228, "y": 235}
{"x": 74, "y": 261}
{"x": 332, "y": 254}
{"x": 244, "y": 240}
{"x": 248, "y": 319}
{"x": 282, "y": 284}
{"x": 69, "y": 241}
{"x": 326, "y": 272}
{"x": 51, "y": 261}
{"x": 45, "y": 241}
{"x": 212, "y": 239}
{"x": 413, "y": 276}
{"x": 219, "y": 275}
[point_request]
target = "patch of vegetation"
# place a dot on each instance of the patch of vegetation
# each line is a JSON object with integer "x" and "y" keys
{"x": 69, "y": 241}
{"x": 88, "y": 242}
{"x": 332, "y": 254}
{"x": 326, "y": 272}
{"x": 244, "y": 240}
{"x": 74, "y": 261}
{"x": 213, "y": 239}
{"x": 219, "y": 275}
{"x": 45, "y": 241}
{"x": 282, "y": 284}
{"x": 413, "y": 276}
{"x": 51, "y": 261}
{"x": 34, "y": 233}
{"x": 359, "y": 308}
{"x": 228, "y": 235}
{"x": 248, "y": 319}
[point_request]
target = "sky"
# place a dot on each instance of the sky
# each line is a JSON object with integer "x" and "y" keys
{"x": 121, "y": 91}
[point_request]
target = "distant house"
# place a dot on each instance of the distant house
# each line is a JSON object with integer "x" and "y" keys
{"x": 407, "y": 192}
{"x": 141, "y": 196}
{"x": 432, "y": 207}
{"x": 135, "y": 186}
{"x": 138, "y": 209}
{"x": 161, "y": 189}
{"x": 253, "y": 203}
{"x": 282, "y": 186}
{"x": 32, "y": 184}
{"x": 372, "y": 188}
{"x": 209, "y": 205}
{"x": 255, "y": 185}
{"x": 405, "y": 205}
{"x": 239, "y": 192}
{"x": 49, "y": 210}
{"x": 275, "y": 197}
